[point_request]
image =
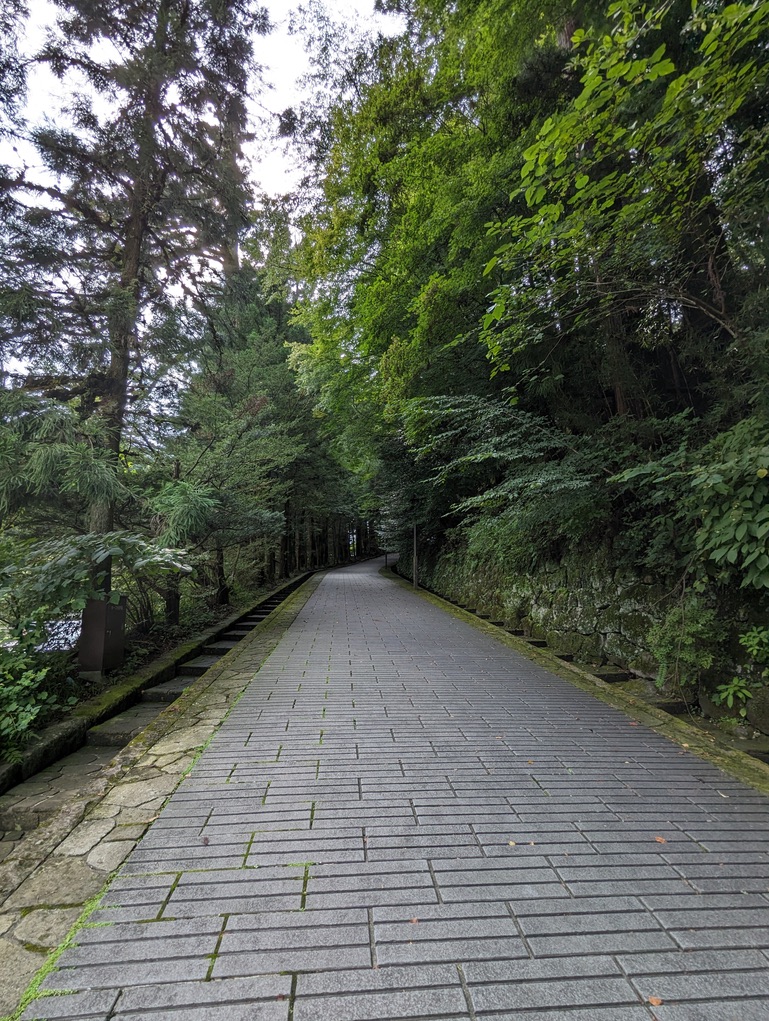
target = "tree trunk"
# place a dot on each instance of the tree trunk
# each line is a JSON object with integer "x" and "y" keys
{"x": 109, "y": 395}
{"x": 222, "y": 597}
{"x": 173, "y": 599}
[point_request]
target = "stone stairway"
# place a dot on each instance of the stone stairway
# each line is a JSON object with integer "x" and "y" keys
{"x": 122, "y": 728}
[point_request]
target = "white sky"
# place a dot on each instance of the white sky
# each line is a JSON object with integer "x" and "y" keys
{"x": 281, "y": 55}
{"x": 284, "y": 61}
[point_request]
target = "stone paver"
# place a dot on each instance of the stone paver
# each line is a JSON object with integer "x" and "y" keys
{"x": 403, "y": 819}
{"x": 44, "y": 794}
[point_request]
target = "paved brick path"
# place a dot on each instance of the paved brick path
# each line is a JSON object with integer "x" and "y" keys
{"x": 403, "y": 819}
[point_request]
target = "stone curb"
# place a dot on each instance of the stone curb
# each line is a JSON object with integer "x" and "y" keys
{"x": 738, "y": 764}
{"x": 49, "y": 883}
{"x": 68, "y": 735}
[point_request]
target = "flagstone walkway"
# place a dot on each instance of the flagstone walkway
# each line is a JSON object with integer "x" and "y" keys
{"x": 404, "y": 819}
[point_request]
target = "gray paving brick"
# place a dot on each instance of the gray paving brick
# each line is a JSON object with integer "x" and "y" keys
{"x": 723, "y": 884}
{"x": 294, "y": 937}
{"x": 622, "y": 1013}
{"x": 140, "y": 949}
{"x": 240, "y": 885}
{"x": 701, "y": 939}
{"x": 509, "y": 891}
{"x": 680, "y": 961}
{"x": 289, "y": 920}
{"x": 434, "y": 976}
{"x": 90, "y": 1004}
{"x": 631, "y": 887}
{"x": 171, "y": 862}
{"x": 689, "y": 899}
{"x": 545, "y": 969}
{"x": 605, "y": 942}
{"x": 112, "y": 915}
{"x": 150, "y": 895}
{"x": 193, "y": 907}
{"x": 123, "y": 931}
{"x": 701, "y": 986}
{"x": 585, "y": 922}
{"x": 369, "y": 881}
{"x": 426, "y": 951}
{"x": 390, "y": 1006}
{"x": 723, "y": 1010}
{"x": 705, "y": 918}
{"x": 595, "y": 991}
{"x": 436, "y": 929}
{"x": 111, "y": 976}
{"x": 304, "y": 959}
{"x": 368, "y": 869}
{"x": 577, "y": 905}
{"x": 457, "y": 913}
{"x": 228, "y": 1012}
{"x": 372, "y": 898}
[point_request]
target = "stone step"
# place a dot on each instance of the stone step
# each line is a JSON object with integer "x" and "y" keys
{"x": 220, "y": 646}
{"x": 612, "y": 675}
{"x": 199, "y": 665}
{"x": 517, "y": 631}
{"x": 538, "y": 643}
{"x": 184, "y": 679}
{"x": 118, "y": 731}
{"x": 497, "y": 623}
{"x": 674, "y": 706}
{"x": 567, "y": 657}
{"x": 762, "y": 754}
{"x": 168, "y": 691}
{"x": 241, "y": 632}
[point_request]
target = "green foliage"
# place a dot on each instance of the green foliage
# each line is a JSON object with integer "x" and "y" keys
{"x": 184, "y": 509}
{"x": 27, "y": 700}
{"x": 718, "y": 499}
{"x": 685, "y": 643}
{"x": 756, "y": 642}
{"x": 733, "y": 492}
{"x": 51, "y": 579}
{"x": 619, "y": 189}
{"x": 735, "y": 692}
{"x": 534, "y": 492}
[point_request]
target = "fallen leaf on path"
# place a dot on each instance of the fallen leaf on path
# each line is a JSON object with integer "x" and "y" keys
{"x": 660, "y": 840}
{"x": 511, "y": 843}
{"x": 656, "y": 1001}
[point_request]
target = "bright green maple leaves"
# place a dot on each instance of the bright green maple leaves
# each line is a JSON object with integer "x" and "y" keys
{"x": 615, "y": 180}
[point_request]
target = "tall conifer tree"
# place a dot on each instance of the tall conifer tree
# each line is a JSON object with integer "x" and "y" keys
{"x": 131, "y": 198}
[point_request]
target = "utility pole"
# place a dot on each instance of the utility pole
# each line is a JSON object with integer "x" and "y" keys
{"x": 414, "y": 563}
